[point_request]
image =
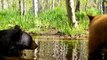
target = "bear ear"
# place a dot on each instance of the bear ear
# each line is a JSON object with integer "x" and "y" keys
{"x": 17, "y": 27}
{"x": 16, "y": 33}
{"x": 90, "y": 17}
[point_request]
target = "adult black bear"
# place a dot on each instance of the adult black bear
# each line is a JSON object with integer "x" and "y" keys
{"x": 13, "y": 41}
{"x": 97, "y": 37}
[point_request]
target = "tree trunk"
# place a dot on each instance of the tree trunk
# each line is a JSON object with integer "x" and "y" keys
{"x": 9, "y": 4}
{"x": 39, "y": 5}
{"x": 42, "y": 4}
{"x": 21, "y": 7}
{"x": 77, "y": 6}
{"x": 104, "y": 7}
{"x": 2, "y": 4}
{"x": 71, "y": 13}
{"x": 47, "y": 4}
{"x": 53, "y": 2}
{"x": 35, "y": 7}
{"x": 24, "y": 7}
{"x": 58, "y": 2}
{"x": 100, "y": 7}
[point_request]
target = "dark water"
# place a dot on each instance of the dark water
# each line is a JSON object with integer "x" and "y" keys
{"x": 54, "y": 49}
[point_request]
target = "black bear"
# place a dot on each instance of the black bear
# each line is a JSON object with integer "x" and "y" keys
{"x": 13, "y": 41}
{"x": 97, "y": 37}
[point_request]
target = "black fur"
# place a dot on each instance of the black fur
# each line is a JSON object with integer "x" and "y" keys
{"x": 13, "y": 41}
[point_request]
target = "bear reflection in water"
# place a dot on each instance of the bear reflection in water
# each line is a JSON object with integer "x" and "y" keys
{"x": 13, "y": 41}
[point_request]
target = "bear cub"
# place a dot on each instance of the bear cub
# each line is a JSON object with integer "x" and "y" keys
{"x": 13, "y": 41}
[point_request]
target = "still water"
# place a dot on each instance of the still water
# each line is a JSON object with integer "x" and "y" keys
{"x": 55, "y": 49}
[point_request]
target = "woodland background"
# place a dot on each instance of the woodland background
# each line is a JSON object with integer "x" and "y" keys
{"x": 40, "y": 16}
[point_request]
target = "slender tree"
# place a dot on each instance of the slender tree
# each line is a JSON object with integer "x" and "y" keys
{"x": 47, "y": 4}
{"x": 104, "y": 7}
{"x": 21, "y": 7}
{"x": 24, "y": 7}
{"x": 35, "y": 7}
{"x": 43, "y": 5}
{"x": 100, "y": 6}
{"x": 53, "y": 2}
{"x": 77, "y": 6}
{"x": 8, "y": 4}
{"x": 71, "y": 13}
{"x": 2, "y": 4}
{"x": 59, "y": 2}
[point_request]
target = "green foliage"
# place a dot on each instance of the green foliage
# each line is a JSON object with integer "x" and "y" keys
{"x": 92, "y": 11}
{"x": 80, "y": 15}
{"x": 10, "y": 18}
{"x": 54, "y": 18}
{"x": 58, "y": 18}
{"x": 82, "y": 18}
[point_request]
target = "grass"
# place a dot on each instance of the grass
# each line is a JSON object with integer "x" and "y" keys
{"x": 11, "y": 18}
{"x": 58, "y": 18}
{"x": 55, "y": 18}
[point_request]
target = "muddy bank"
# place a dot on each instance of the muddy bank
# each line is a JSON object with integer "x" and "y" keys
{"x": 60, "y": 35}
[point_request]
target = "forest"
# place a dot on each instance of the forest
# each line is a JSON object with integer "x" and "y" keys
{"x": 65, "y": 21}
{"x": 41, "y": 16}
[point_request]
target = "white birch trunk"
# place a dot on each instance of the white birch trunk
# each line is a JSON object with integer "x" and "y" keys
{"x": 100, "y": 6}
{"x": 24, "y": 7}
{"x": 42, "y": 4}
{"x": 35, "y": 7}
{"x": 53, "y": 2}
{"x": 21, "y": 7}
{"x": 73, "y": 13}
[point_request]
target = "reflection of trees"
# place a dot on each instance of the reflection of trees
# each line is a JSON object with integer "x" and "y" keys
{"x": 69, "y": 52}
{"x": 51, "y": 50}
{"x": 62, "y": 50}
{"x": 77, "y": 50}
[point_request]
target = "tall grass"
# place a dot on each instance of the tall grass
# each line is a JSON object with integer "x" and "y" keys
{"x": 55, "y": 18}
{"x": 58, "y": 18}
{"x": 10, "y": 18}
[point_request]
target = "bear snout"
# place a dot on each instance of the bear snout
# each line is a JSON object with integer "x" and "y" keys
{"x": 34, "y": 45}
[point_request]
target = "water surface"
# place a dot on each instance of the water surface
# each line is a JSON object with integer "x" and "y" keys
{"x": 56, "y": 49}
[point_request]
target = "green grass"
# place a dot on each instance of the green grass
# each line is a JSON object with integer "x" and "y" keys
{"x": 56, "y": 18}
{"x": 11, "y": 18}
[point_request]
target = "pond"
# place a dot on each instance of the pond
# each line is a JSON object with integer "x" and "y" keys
{"x": 52, "y": 48}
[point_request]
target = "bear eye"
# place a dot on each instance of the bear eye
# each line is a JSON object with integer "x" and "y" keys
{"x": 24, "y": 46}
